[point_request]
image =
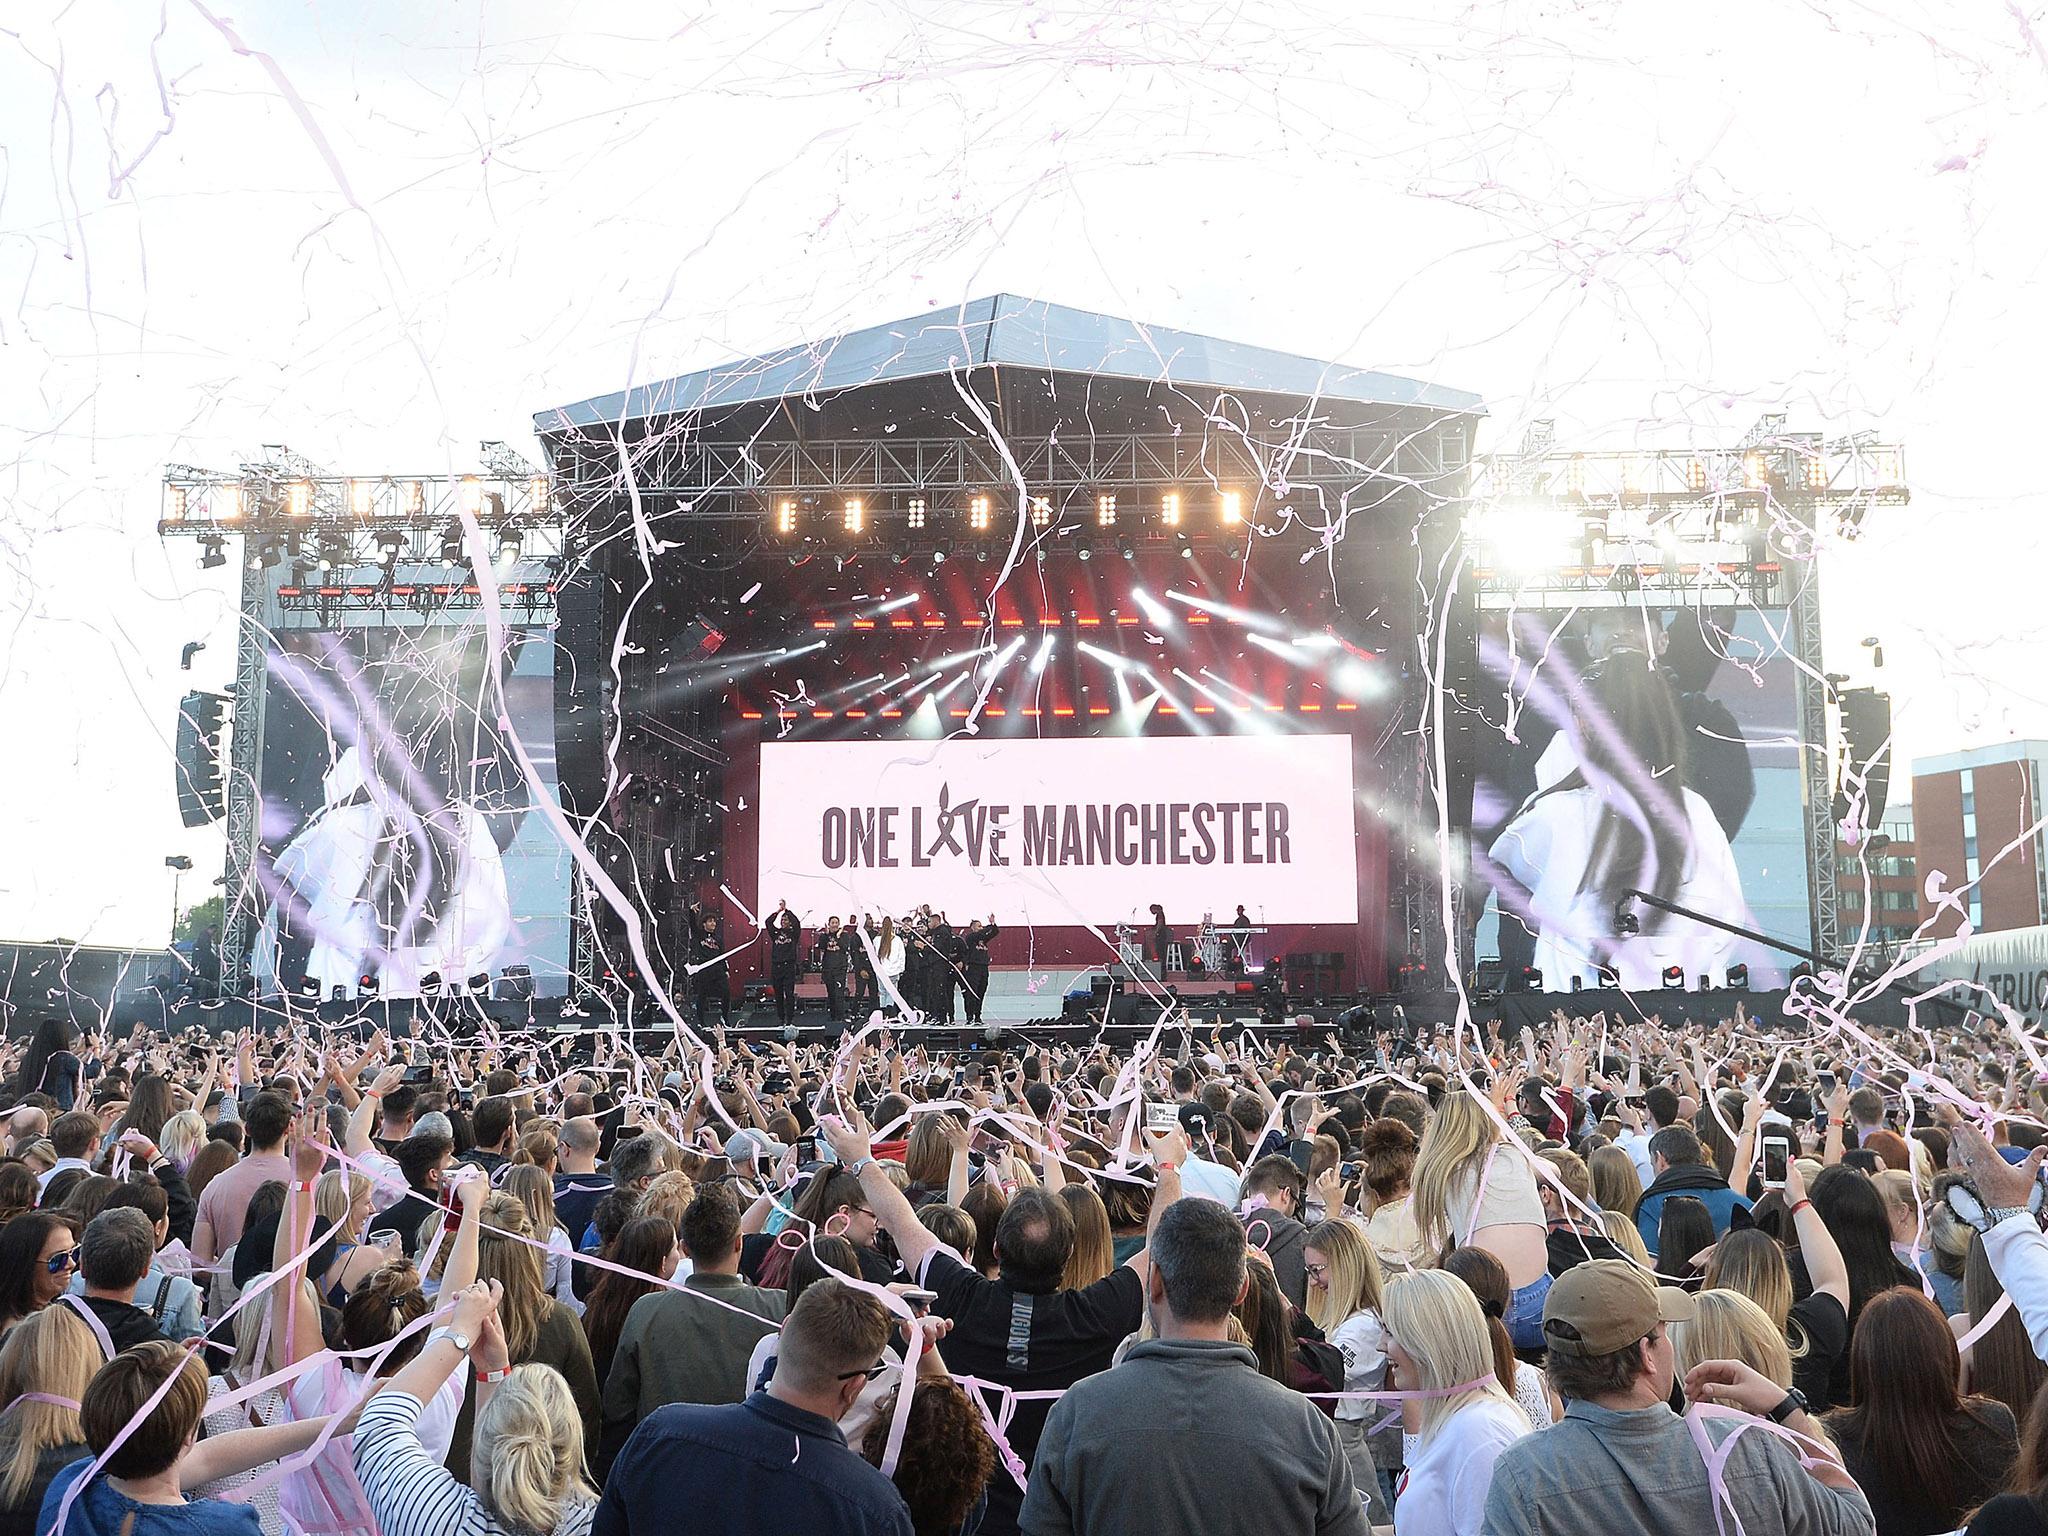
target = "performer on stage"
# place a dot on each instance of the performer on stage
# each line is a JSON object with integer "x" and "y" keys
{"x": 974, "y": 965}
{"x": 785, "y": 955}
{"x": 945, "y": 973}
{"x": 1161, "y": 936}
{"x": 711, "y": 981}
{"x": 833, "y": 964}
{"x": 866, "y": 993}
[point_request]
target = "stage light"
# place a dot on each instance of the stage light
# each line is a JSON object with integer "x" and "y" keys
{"x": 508, "y": 543}
{"x": 907, "y": 600}
{"x": 1232, "y": 508}
{"x": 177, "y": 499}
{"x": 1885, "y": 466}
{"x": 1244, "y": 616}
{"x": 1816, "y": 472}
{"x": 1169, "y": 509}
{"x": 785, "y": 517}
{"x": 1045, "y": 650}
{"x": 451, "y": 545}
{"x": 415, "y": 499}
{"x": 1105, "y": 511}
{"x": 1123, "y": 547}
{"x": 1753, "y": 471}
{"x": 359, "y": 492}
{"x": 915, "y": 517}
{"x": 389, "y": 542}
{"x": 1625, "y": 921}
{"x": 430, "y": 983}
{"x": 216, "y": 553}
{"x": 1696, "y": 475}
{"x": 1674, "y": 978}
{"x": 1155, "y": 610}
{"x": 299, "y": 498}
{"x": 1575, "y": 476}
{"x": 1041, "y": 511}
{"x": 264, "y": 554}
{"x": 938, "y": 557}
{"x": 480, "y": 982}
{"x": 1738, "y": 977}
{"x": 230, "y": 501}
{"x": 855, "y": 516}
{"x": 472, "y": 494}
{"x": 537, "y": 492}
{"x": 1085, "y": 552}
{"x": 1187, "y": 550}
{"x": 977, "y": 513}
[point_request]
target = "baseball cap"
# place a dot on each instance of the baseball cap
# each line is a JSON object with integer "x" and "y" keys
{"x": 1605, "y": 1305}
{"x": 742, "y": 1145}
{"x": 1197, "y": 1121}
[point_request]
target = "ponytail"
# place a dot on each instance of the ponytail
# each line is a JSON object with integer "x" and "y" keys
{"x": 527, "y": 1457}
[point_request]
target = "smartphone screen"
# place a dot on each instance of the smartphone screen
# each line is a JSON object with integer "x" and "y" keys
{"x": 1776, "y": 1151}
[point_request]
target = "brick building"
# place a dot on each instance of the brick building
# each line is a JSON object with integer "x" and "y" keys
{"x": 1894, "y": 884}
{"x": 1972, "y": 812}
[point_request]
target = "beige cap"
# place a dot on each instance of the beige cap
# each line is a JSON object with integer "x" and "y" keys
{"x": 1605, "y": 1305}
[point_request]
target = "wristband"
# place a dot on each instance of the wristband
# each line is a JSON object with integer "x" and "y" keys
{"x": 373, "y": 1093}
{"x": 302, "y": 1186}
{"x": 1167, "y": 1167}
{"x": 859, "y": 1167}
{"x": 1803, "y": 1205}
{"x": 492, "y": 1378}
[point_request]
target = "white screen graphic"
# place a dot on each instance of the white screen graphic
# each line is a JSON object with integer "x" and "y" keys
{"x": 1062, "y": 833}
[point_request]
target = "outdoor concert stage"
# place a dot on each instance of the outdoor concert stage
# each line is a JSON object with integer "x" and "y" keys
{"x": 1020, "y": 613}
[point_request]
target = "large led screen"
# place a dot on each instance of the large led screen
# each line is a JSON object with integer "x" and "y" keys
{"x": 1638, "y": 749}
{"x": 399, "y": 836}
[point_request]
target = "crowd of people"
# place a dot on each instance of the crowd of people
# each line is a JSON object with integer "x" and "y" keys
{"x": 1594, "y": 1276}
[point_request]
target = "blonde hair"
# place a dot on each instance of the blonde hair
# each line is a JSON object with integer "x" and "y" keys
{"x": 182, "y": 1137}
{"x": 1435, "y": 1318}
{"x": 336, "y": 1195}
{"x": 526, "y": 1460}
{"x": 1455, "y": 1147}
{"x": 531, "y": 1186}
{"x": 1727, "y": 1325}
{"x": 1623, "y": 1234}
{"x": 262, "y": 1317}
{"x": 1352, "y": 1282}
{"x": 667, "y": 1196}
{"x": 1617, "y": 1186}
{"x": 515, "y": 1265}
{"x": 1094, "y": 1252}
{"x": 1754, "y": 1267}
{"x": 1899, "y": 1190}
{"x": 48, "y": 1351}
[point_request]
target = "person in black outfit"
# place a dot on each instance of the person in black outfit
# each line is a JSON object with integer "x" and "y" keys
{"x": 916, "y": 966}
{"x": 1161, "y": 936}
{"x": 867, "y": 992}
{"x": 785, "y": 953}
{"x": 945, "y": 972}
{"x": 206, "y": 966}
{"x": 711, "y": 980}
{"x": 974, "y": 965}
{"x": 832, "y": 964}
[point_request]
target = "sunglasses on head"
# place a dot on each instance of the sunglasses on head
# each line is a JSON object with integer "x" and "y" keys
{"x": 63, "y": 1259}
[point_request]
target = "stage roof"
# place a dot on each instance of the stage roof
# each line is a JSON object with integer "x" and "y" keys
{"x": 1006, "y": 331}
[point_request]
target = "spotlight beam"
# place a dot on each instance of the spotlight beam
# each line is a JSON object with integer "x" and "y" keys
{"x": 1247, "y": 617}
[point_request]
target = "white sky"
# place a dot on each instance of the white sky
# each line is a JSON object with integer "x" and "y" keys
{"x": 1652, "y": 222}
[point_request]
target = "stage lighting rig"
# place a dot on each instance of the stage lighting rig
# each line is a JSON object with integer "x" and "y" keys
{"x": 1230, "y": 509}
{"x": 215, "y": 555}
{"x": 1105, "y": 511}
{"x": 1169, "y": 510}
{"x": 914, "y": 517}
{"x": 977, "y": 514}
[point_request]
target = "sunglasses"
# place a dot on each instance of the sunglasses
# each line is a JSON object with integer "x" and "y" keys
{"x": 869, "y": 1374}
{"x": 63, "y": 1259}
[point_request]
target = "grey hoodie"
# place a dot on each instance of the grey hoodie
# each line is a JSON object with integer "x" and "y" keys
{"x": 1186, "y": 1435}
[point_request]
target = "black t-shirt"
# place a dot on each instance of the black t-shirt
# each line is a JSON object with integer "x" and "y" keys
{"x": 1568, "y": 1247}
{"x": 1826, "y": 1327}
{"x": 1030, "y": 1344}
{"x": 126, "y": 1325}
{"x": 2010, "y": 1514}
{"x": 404, "y": 1218}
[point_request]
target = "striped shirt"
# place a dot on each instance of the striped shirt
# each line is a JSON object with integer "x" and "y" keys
{"x": 411, "y": 1493}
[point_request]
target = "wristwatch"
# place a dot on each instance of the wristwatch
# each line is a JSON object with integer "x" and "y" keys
{"x": 1794, "y": 1402}
{"x": 460, "y": 1340}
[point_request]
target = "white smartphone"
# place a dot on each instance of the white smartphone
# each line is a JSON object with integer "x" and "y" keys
{"x": 1777, "y": 1152}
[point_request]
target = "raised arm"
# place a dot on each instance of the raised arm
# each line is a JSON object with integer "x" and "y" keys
{"x": 293, "y": 1322}
{"x": 853, "y": 1144}
{"x": 469, "y": 1195}
{"x": 1825, "y": 1266}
